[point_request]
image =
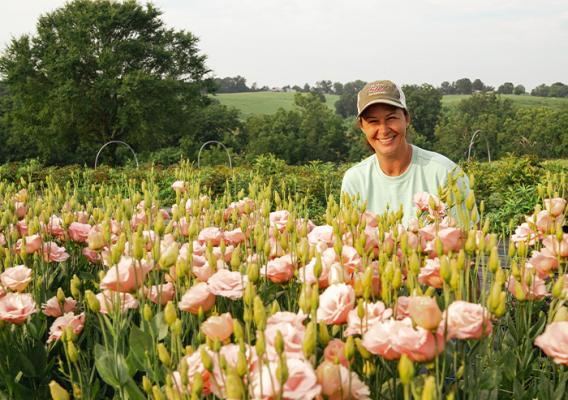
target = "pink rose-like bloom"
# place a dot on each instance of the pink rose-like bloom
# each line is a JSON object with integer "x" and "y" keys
{"x": 292, "y": 333}
{"x": 15, "y": 308}
{"x": 76, "y": 322}
{"x": 390, "y": 339}
{"x": 464, "y": 320}
{"x": 302, "y": 382}
{"x": 212, "y": 382}
{"x": 227, "y": 283}
{"x": 109, "y": 298}
{"x": 279, "y": 270}
{"x": 179, "y": 186}
{"x": 161, "y": 293}
{"x": 211, "y": 234}
{"x": 54, "y": 253}
{"x": 350, "y": 259}
{"x": 234, "y": 237}
{"x": 279, "y": 219}
{"x": 218, "y": 327}
{"x": 430, "y": 274}
{"x": 374, "y": 312}
{"x": 82, "y": 217}
{"x": 243, "y": 206}
{"x": 20, "y": 209}
{"x": 425, "y": 312}
{"x": 22, "y": 227}
{"x": 16, "y": 278}
{"x": 287, "y": 317}
{"x": 198, "y": 296}
{"x": 543, "y": 220}
{"x": 306, "y": 274}
{"x": 337, "y": 383}
{"x": 95, "y": 238}
{"x": 369, "y": 219}
{"x": 55, "y": 227}
{"x": 321, "y": 234}
{"x": 91, "y": 255}
{"x": 554, "y": 342}
{"x": 402, "y": 304}
{"x": 335, "y": 303}
{"x": 535, "y": 291}
{"x": 335, "y": 349}
{"x": 524, "y": 233}
{"x": 555, "y": 206}
{"x": 33, "y": 244}
{"x": 79, "y": 232}
{"x": 451, "y": 239}
{"x": 544, "y": 262}
{"x": 421, "y": 200}
{"x": 128, "y": 275}
{"x": 555, "y": 247}
{"x": 52, "y": 308}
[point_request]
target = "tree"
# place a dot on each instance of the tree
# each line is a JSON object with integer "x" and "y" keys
{"x": 324, "y": 86}
{"x": 558, "y": 89}
{"x": 541, "y": 90}
{"x": 346, "y": 105}
{"x": 99, "y": 71}
{"x": 478, "y": 86}
{"x": 463, "y": 86}
{"x": 338, "y": 88}
{"x": 238, "y": 84}
{"x": 425, "y": 106}
{"x": 519, "y": 89}
{"x": 447, "y": 88}
{"x": 506, "y": 88}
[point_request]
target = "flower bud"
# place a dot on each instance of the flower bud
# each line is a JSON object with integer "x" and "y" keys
{"x": 405, "y": 370}
{"x": 157, "y": 393}
{"x": 169, "y": 257}
{"x": 170, "y": 314}
{"x": 558, "y": 287}
{"x": 310, "y": 339}
{"x": 349, "y": 348}
{"x": 429, "y": 390}
{"x": 72, "y": 352}
{"x": 260, "y": 344}
{"x": 425, "y": 312}
{"x": 57, "y": 391}
{"x": 561, "y": 314}
{"x": 362, "y": 349}
{"x": 75, "y": 286}
{"x": 234, "y": 385}
{"x": 494, "y": 262}
{"x": 323, "y": 332}
{"x": 253, "y": 273}
{"x": 146, "y": 384}
{"x": 92, "y": 301}
{"x": 259, "y": 313}
{"x": 206, "y": 359}
{"x": 60, "y": 296}
{"x": 147, "y": 312}
{"x": 197, "y": 385}
{"x": 164, "y": 355}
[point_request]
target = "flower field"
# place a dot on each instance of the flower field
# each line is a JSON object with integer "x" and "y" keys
{"x": 107, "y": 293}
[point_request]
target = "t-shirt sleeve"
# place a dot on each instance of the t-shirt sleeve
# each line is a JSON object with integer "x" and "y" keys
{"x": 347, "y": 186}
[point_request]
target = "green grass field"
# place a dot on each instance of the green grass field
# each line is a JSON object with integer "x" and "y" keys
{"x": 269, "y": 102}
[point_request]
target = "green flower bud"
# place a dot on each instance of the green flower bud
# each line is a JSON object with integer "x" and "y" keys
{"x": 260, "y": 344}
{"x": 310, "y": 339}
{"x": 405, "y": 370}
{"x": 362, "y": 349}
{"x": 57, "y": 391}
{"x": 92, "y": 301}
{"x": 60, "y": 296}
{"x": 164, "y": 355}
{"x": 429, "y": 390}
{"x": 323, "y": 334}
{"x": 349, "y": 348}
{"x": 494, "y": 262}
{"x": 253, "y": 273}
{"x": 146, "y": 384}
{"x": 170, "y": 314}
{"x": 157, "y": 393}
{"x": 72, "y": 352}
{"x": 558, "y": 287}
{"x": 259, "y": 313}
{"x": 206, "y": 359}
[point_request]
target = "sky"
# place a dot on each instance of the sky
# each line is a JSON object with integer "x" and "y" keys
{"x": 280, "y": 42}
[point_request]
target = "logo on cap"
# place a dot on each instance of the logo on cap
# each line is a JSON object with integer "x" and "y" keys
{"x": 378, "y": 88}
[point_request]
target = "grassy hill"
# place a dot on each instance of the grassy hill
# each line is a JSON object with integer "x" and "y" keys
{"x": 269, "y": 102}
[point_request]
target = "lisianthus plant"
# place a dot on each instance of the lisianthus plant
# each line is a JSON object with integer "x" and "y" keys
{"x": 105, "y": 292}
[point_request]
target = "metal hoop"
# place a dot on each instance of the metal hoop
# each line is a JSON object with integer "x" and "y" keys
{"x": 119, "y": 142}
{"x": 209, "y": 142}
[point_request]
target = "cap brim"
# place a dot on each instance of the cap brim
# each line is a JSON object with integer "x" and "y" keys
{"x": 381, "y": 101}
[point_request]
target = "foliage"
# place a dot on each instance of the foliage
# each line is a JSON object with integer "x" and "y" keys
{"x": 425, "y": 106}
{"x": 99, "y": 71}
{"x": 346, "y": 105}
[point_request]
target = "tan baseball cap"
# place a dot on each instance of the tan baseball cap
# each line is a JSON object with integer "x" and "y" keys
{"x": 385, "y": 92}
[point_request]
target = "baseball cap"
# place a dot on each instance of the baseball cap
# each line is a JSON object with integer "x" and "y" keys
{"x": 385, "y": 92}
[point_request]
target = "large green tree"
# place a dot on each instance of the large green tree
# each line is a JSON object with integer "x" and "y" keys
{"x": 425, "y": 106}
{"x": 101, "y": 70}
{"x": 346, "y": 105}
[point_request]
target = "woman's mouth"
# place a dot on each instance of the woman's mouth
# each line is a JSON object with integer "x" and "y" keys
{"x": 386, "y": 139}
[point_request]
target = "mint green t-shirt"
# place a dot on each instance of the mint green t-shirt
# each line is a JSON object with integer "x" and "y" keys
{"x": 427, "y": 171}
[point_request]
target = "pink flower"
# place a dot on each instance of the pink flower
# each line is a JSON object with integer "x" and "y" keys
{"x": 91, "y": 255}
{"x": 16, "y": 278}
{"x": 75, "y": 322}
{"x": 241, "y": 207}
{"x": 234, "y": 237}
{"x": 544, "y": 262}
{"x": 369, "y": 219}
{"x": 82, "y": 217}
{"x": 337, "y": 383}
{"x": 53, "y": 253}
{"x": 421, "y": 200}
{"x": 402, "y": 304}
{"x": 279, "y": 270}
{"x": 33, "y": 244}
{"x": 218, "y": 327}
{"x": 109, "y": 299}
{"x": 321, "y": 235}
{"x": 15, "y": 308}
{"x": 335, "y": 349}
{"x": 292, "y": 330}
{"x": 524, "y": 233}
{"x": 390, "y": 339}
{"x": 555, "y": 247}
{"x": 335, "y": 303}
{"x": 179, "y": 186}
{"x": 543, "y": 220}
{"x": 211, "y": 234}
{"x": 464, "y": 320}
{"x": 451, "y": 239}
{"x": 198, "y": 296}
{"x": 425, "y": 312}
{"x": 128, "y": 275}
{"x": 301, "y": 384}
{"x": 79, "y": 232}
{"x": 52, "y": 308}
{"x": 535, "y": 291}
{"x": 554, "y": 342}
{"x": 279, "y": 219}
{"x": 55, "y": 227}
{"x": 430, "y": 274}
{"x": 20, "y": 209}
{"x": 95, "y": 238}
{"x": 350, "y": 259}
{"x": 226, "y": 283}
{"x": 555, "y": 206}
{"x": 161, "y": 293}
{"x": 374, "y": 312}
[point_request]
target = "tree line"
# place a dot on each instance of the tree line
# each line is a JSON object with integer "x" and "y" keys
{"x": 112, "y": 71}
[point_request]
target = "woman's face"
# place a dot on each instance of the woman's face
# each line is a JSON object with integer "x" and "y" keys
{"x": 385, "y": 128}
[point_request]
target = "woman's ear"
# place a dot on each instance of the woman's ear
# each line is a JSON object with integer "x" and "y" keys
{"x": 408, "y": 119}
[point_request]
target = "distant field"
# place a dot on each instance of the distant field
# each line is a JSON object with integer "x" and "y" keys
{"x": 269, "y": 102}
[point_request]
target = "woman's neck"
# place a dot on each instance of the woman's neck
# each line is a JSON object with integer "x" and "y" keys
{"x": 398, "y": 164}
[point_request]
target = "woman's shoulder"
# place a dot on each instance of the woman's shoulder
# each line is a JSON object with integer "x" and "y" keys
{"x": 431, "y": 159}
{"x": 361, "y": 166}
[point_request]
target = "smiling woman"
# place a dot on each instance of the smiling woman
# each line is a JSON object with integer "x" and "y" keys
{"x": 391, "y": 177}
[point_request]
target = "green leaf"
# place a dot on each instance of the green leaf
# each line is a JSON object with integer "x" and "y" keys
{"x": 159, "y": 326}
{"x": 112, "y": 370}
{"x": 140, "y": 343}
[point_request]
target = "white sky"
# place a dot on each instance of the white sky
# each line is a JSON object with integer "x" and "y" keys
{"x": 279, "y": 42}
